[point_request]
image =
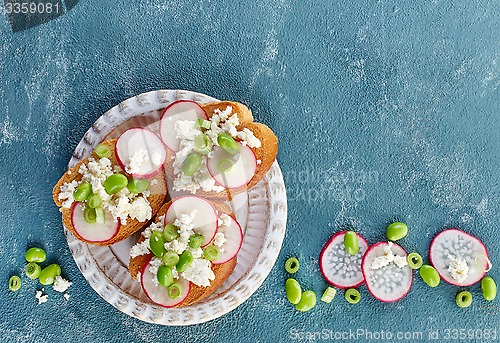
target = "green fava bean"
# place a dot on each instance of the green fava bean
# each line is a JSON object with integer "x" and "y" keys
{"x": 170, "y": 232}
{"x": 185, "y": 260}
{"x": 170, "y": 258}
{"x": 156, "y": 243}
{"x": 35, "y": 255}
{"x": 49, "y": 273}
{"x": 164, "y": 276}
{"x": 430, "y": 275}
{"x": 293, "y": 291}
{"x": 195, "y": 241}
{"x": 489, "y": 288}
{"x": 307, "y": 301}
{"x": 115, "y": 183}
{"x": 211, "y": 253}
{"x": 138, "y": 185}
{"x": 351, "y": 243}
{"x": 82, "y": 191}
{"x": 192, "y": 164}
{"x": 227, "y": 143}
{"x": 396, "y": 231}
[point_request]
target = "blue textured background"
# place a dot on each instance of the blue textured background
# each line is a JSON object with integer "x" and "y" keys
{"x": 385, "y": 110}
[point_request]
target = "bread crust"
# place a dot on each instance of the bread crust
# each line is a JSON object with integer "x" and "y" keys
{"x": 197, "y": 293}
{"x": 156, "y": 200}
{"x": 266, "y": 153}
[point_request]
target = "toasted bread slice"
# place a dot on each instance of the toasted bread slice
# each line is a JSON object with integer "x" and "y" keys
{"x": 156, "y": 200}
{"x": 197, "y": 293}
{"x": 266, "y": 153}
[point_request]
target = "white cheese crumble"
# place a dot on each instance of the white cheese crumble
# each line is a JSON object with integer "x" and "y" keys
{"x": 219, "y": 241}
{"x": 66, "y": 193}
{"x": 400, "y": 261}
{"x": 60, "y": 284}
{"x": 66, "y": 296}
{"x": 387, "y": 258}
{"x": 154, "y": 264}
{"x": 140, "y": 158}
{"x": 42, "y": 298}
{"x": 458, "y": 268}
{"x": 139, "y": 249}
{"x": 224, "y": 220}
{"x": 137, "y": 160}
{"x": 186, "y": 130}
{"x": 199, "y": 272}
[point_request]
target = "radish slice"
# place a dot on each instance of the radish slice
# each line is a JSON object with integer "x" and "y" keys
{"x": 389, "y": 283}
{"x": 338, "y": 267}
{"x": 242, "y": 171}
{"x": 93, "y": 232}
{"x": 456, "y": 244}
{"x": 179, "y": 110}
{"x": 205, "y": 219}
{"x": 159, "y": 294}
{"x": 140, "y": 153}
{"x": 232, "y": 245}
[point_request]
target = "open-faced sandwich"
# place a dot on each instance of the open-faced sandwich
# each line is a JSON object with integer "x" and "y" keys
{"x": 187, "y": 253}
{"x": 215, "y": 150}
{"x": 110, "y": 195}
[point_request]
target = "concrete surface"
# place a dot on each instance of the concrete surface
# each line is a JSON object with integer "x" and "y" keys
{"x": 385, "y": 110}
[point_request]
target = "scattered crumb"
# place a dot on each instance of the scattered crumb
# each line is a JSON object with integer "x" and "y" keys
{"x": 41, "y": 298}
{"x": 259, "y": 161}
{"x": 69, "y": 172}
{"x": 60, "y": 284}
{"x": 66, "y": 296}
{"x": 154, "y": 182}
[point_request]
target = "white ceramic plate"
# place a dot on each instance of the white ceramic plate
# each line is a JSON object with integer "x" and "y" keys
{"x": 262, "y": 212}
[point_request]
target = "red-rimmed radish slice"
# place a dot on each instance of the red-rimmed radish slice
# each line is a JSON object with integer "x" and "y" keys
{"x": 389, "y": 283}
{"x": 158, "y": 293}
{"x": 205, "y": 219}
{"x": 179, "y": 110}
{"x": 93, "y": 232}
{"x": 232, "y": 245}
{"x": 242, "y": 170}
{"x": 456, "y": 244}
{"x": 339, "y": 268}
{"x": 142, "y": 142}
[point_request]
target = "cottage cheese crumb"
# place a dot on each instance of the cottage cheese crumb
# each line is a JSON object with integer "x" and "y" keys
{"x": 66, "y": 296}
{"x": 458, "y": 268}
{"x": 400, "y": 261}
{"x": 154, "y": 264}
{"x": 387, "y": 258}
{"x": 219, "y": 241}
{"x": 199, "y": 272}
{"x": 66, "y": 193}
{"x": 60, "y": 284}
{"x": 139, "y": 249}
{"x": 42, "y": 298}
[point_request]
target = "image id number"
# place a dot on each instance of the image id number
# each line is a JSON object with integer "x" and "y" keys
{"x": 31, "y": 7}
{"x": 470, "y": 334}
